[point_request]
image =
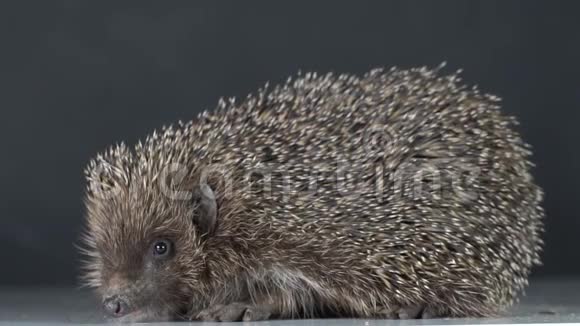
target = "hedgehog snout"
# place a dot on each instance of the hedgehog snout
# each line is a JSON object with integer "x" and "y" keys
{"x": 117, "y": 297}
{"x": 115, "y": 306}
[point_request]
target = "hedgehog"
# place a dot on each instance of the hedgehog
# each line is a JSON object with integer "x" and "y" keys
{"x": 401, "y": 194}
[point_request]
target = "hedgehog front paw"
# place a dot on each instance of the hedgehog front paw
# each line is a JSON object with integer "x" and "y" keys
{"x": 257, "y": 313}
{"x": 412, "y": 312}
{"x": 229, "y": 312}
{"x": 236, "y": 311}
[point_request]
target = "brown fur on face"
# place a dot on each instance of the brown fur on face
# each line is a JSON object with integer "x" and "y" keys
{"x": 123, "y": 225}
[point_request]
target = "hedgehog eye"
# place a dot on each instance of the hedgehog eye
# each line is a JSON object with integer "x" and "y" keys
{"x": 162, "y": 248}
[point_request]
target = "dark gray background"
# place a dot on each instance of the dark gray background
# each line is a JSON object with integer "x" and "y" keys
{"x": 76, "y": 76}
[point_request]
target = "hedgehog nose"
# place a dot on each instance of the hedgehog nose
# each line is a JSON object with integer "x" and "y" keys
{"x": 115, "y": 306}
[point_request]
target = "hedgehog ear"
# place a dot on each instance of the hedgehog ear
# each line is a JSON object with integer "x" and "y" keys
{"x": 206, "y": 216}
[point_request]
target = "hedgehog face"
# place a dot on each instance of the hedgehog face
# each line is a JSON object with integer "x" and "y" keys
{"x": 140, "y": 286}
{"x": 141, "y": 264}
{"x": 144, "y": 249}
